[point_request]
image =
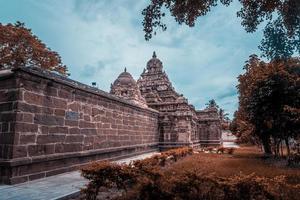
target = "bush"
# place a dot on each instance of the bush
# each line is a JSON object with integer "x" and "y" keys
{"x": 152, "y": 178}
{"x": 230, "y": 150}
{"x": 294, "y": 159}
{"x": 147, "y": 171}
{"x": 193, "y": 185}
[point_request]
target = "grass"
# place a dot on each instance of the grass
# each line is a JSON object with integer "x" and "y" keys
{"x": 245, "y": 160}
{"x": 245, "y": 174}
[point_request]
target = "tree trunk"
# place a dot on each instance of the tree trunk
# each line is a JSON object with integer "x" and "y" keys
{"x": 266, "y": 145}
{"x": 281, "y": 148}
{"x": 287, "y": 146}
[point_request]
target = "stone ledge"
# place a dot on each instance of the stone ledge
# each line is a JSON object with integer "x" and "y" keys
{"x": 68, "y": 164}
{"x": 37, "y": 159}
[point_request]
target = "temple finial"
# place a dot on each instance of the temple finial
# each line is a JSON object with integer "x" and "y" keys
{"x": 154, "y": 54}
{"x": 125, "y": 70}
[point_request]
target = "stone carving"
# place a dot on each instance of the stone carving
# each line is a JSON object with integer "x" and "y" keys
{"x": 125, "y": 87}
{"x": 180, "y": 124}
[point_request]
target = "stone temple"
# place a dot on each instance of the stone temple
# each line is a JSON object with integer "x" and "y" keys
{"x": 179, "y": 123}
{"x": 50, "y": 124}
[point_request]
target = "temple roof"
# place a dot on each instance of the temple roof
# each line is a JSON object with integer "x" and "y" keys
{"x": 124, "y": 78}
{"x": 154, "y": 64}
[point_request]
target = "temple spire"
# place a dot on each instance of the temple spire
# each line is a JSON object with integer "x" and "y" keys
{"x": 154, "y": 54}
{"x": 125, "y": 70}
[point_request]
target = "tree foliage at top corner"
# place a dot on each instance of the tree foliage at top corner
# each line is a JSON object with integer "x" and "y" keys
{"x": 19, "y": 47}
{"x": 281, "y": 33}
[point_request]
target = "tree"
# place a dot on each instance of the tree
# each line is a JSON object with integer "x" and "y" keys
{"x": 281, "y": 34}
{"x": 19, "y": 47}
{"x": 212, "y": 104}
{"x": 269, "y": 99}
{"x": 223, "y": 115}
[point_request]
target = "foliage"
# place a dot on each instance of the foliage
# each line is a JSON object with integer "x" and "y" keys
{"x": 294, "y": 159}
{"x": 186, "y": 181}
{"x": 147, "y": 171}
{"x": 19, "y": 47}
{"x": 281, "y": 34}
{"x": 212, "y": 104}
{"x": 269, "y": 102}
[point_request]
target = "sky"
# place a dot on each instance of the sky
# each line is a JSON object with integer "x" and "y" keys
{"x": 97, "y": 39}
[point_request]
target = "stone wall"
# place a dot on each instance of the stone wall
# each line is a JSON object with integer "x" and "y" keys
{"x": 50, "y": 124}
{"x": 209, "y": 127}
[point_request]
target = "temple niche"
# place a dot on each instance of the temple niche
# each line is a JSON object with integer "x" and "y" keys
{"x": 125, "y": 87}
{"x": 180, "y": 124}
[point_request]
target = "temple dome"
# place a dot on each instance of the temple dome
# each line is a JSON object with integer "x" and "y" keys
{"x": 125, "y": 78}
{"x": 126, "y": 87}
{"x": 154, "y": 64}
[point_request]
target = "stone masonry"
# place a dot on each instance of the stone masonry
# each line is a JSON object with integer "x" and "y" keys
{"x": 179, "y": 123}
{"x": 50, "y": 124}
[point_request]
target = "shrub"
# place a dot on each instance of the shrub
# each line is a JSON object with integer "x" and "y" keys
{"x": 193, "y": 185}
{"x": 146, "y": 171}
{"x": 230, "y": 150}
{"x": 221, "y": 150}
{"x": 107, "y": 174}
{"x": 294, "y": 159}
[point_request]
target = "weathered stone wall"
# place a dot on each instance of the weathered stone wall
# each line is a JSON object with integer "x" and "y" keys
{"x": 209, "y": 127}
{"x": 51, "y": 125}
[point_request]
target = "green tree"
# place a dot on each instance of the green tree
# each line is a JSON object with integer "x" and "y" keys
{"x": 281, "y": 34}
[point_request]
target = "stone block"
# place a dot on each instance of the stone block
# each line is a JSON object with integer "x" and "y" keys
{"x": 27, "y": 139}
{"x": 8, "y": 95}
{"x": 71, "y": 123}
{"x": 59, "y": 112}
{"x": 21, "y": 106}
{"x": 19, "y": 151}
{"x": 73, "y": 147}
{"x": 88, "y": 131}
{"x": 48, "y": 120}
{"x": 40, "y": 149}
{"x": 75, "y": 106}
{"x": 46, "y": 139}
{"x": 74, "y": 131}
{"x": 64, "y": 94}
{"x": 24, "y": 127}
{"x": 74, "y": 138}
{"x": 84, "y": 124}
{"x": 58, "y": 129}
{"x": 33, "y": 98}
{"x": 7, "y": 117}
{"x": 6, "y": 106}
{"x": 59, "y": 103}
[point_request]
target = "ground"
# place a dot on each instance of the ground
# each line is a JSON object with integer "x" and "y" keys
{"x": 245, "y": 160}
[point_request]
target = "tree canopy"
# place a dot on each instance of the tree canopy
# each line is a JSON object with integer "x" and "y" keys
{"x": 282, "y": 17}
{"x": 19, "y": 47}
{"x": 212, "y": 104}
{"x": 269, "y": 101}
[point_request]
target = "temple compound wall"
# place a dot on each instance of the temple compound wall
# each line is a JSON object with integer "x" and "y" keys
{"x": 50, "y": 125}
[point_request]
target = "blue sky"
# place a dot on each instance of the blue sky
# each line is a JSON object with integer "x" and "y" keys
{"x": 98, "y": 38}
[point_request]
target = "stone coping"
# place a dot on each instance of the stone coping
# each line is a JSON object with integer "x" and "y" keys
{"x": 50, "y": 157}
{"x": 76, "y": 85}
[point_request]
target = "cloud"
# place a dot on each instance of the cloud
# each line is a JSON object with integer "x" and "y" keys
{"x": 97, "y": 39}
{"x": 89, "y": 71}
